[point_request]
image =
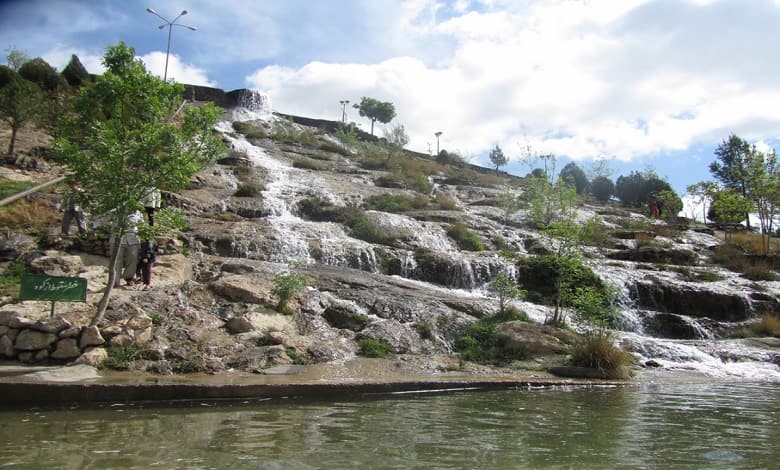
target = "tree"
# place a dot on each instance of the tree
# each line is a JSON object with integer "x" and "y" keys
{"x": 602, "y": 188}
{"x": 397, "y": 136}
{"x": 670, "y": 202}
{"x": 121, "y": 139}
{"x": 16, "y": 58}
{"x": 763, "y": 179}
{"x": 507, "y": 290}
{"x": 20, "y": 102}
{"x": 636, "y": 189}
{"x": 509, "y": 202}
{"x": 703, "y": 192}
{"x": 376, "y": 110}
{"x": 43, "y": 74}
{"x": 75, "y": 73}
{"x": 729, "y": 207}
{"x": 498, "y": 158}
{"x": 573, "y": 174}
{"x": 731, "y": 166}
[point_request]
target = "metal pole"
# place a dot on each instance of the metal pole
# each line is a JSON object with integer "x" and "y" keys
{"x": 168, "y": 52}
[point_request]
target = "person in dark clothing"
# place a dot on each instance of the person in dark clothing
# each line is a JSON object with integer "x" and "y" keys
{"x": 146, "y": 260}
{"x": 72, "y": 210}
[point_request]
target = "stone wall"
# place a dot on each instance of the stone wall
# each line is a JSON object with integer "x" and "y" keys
{"x": 57, "y": 340}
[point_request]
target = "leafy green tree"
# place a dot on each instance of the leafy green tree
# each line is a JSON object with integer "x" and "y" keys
{"x": 20, "y": 102}
{"x": 729, "y": 207}
{"x": 602, "y": 188}
{"x": 44, "y": 75}
{"x": 671, "y": 203}
{"x": 506, "y": 288}
{"x": 397, "y": 136}
{"x": 573, "y": 174}
{"x": 730, "y": 168}
{"x": 375, "y": 110}
{"x": 636, "y": 189}
{"x": 75, "y": 73}
{"x": 549, "y": 199}
{"x": 763, "y": 178}
{"x": 16, "y": 58}
{"x": 498, "y": 158}
{"x": 596, "y": 306}
{"x": 121, "y": 139}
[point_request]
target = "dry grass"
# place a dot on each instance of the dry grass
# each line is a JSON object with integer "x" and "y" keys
{"x": 753, "y": 243}
{"x": 597, "y": 351}
{"x": 24, "y": 214}
{"x": 769, "y": 325}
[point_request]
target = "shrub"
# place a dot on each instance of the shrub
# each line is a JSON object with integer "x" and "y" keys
{"x": 597, "y": 351}
{"x": 769, "y": 325}
{"x": 424, "y": 329}
{"x": 363, "y": 228}
{"x": 465, "y": 239}
{"x": 543, "y": 274}
{"x": 248, "y": 190}
{"x": 445, "y": 202}
{"x": 369, "y": 347}
{"x": 287, "y": 286}
{"x": 480, "y": 343}
{"x": 346, "y": 134}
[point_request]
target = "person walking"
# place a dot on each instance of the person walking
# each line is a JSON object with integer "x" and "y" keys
{"x": 127, "y": 256}
{"x": 146, "y": 261}
{"x": 72, "y": 210}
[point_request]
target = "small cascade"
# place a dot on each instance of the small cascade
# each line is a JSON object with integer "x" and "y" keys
{"x": 252, "y": 105}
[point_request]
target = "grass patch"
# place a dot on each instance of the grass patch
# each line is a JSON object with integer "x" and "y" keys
{"x": 11, "y": 279}
{"x": 465, "y": 238}
{"x": 733, "y": 258}
{"x": 363, "y": 228}
{"x": 11, "y": 187}
{"x": 396, "y": 203}
{"x": 445, "y": 202}
{"x": 308, "y": 164}
{"x": 768, "y": 325}
{"x": 693, "y": 275}
{"x": 480, "y": 343}
{"x": 598, "y": 351}
{"x": 122, "y": 357}
{"x": 369, "y": 347}
{"x": 250, "y": 131}
{"x": 249, "y": 190}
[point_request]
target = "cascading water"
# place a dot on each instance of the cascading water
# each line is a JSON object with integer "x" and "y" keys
{"x": 252, "y": 105}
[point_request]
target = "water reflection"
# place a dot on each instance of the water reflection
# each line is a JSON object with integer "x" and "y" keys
{"x": 685, "y": 426}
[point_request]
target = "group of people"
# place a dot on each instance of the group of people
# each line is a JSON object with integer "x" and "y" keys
{"x": 135, "y": 257}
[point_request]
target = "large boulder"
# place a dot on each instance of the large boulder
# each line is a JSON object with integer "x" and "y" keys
{"x": 691, "y": 300}
{"x": 31, "y": 340}
{"x": 67, "y": 348}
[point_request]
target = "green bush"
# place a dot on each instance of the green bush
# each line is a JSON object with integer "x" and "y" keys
{"x": 480, "y": 343}
{"x": 11, "y": 278}
{"x": 363, "y": 228}
{"x": 249, "y": 190}
{"x": 465, "y": 239}
{"x": 287, "y": 286}
{"x": 369, "y": 347}
{"x": 424, "y": 329}
{"x": 542, "y": 274}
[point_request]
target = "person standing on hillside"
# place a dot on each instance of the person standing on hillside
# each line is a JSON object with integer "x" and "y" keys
{"x": 72, "y": 209}
{"x": 127, "y": 258}
{"x": 146, "y": 261}
{"x": 152, "y": 202}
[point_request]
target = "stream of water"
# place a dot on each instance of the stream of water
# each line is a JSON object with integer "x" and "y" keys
{"x": 648, "y": 426}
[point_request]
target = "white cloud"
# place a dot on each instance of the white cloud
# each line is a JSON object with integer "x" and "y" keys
{"x": 178, "y": 71}
{"x": 566, "y": 76}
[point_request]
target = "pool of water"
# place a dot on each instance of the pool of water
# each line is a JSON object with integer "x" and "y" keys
{"x": 647, "y": 426}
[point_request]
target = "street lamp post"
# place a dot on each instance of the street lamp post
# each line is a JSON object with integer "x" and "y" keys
{"x": 344, "y": 104}
{"x": 437, "y": 134}
{"x": 170, "y": 25}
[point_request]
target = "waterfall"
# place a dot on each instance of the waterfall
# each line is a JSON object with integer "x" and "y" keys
{"x": 252, "y": 105}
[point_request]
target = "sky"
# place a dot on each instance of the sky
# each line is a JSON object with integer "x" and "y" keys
{"x": 637, "y": 84}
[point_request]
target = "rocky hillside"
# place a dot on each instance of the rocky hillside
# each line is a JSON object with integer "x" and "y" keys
{"x": 395, "y": 248}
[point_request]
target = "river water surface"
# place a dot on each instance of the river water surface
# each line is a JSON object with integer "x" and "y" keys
{"x": 647, "y": 426}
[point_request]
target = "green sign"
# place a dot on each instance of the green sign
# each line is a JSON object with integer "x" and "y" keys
{"x": 53, "y": 288}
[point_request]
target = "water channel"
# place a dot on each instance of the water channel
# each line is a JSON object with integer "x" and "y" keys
{"x": 643, "y": 426}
